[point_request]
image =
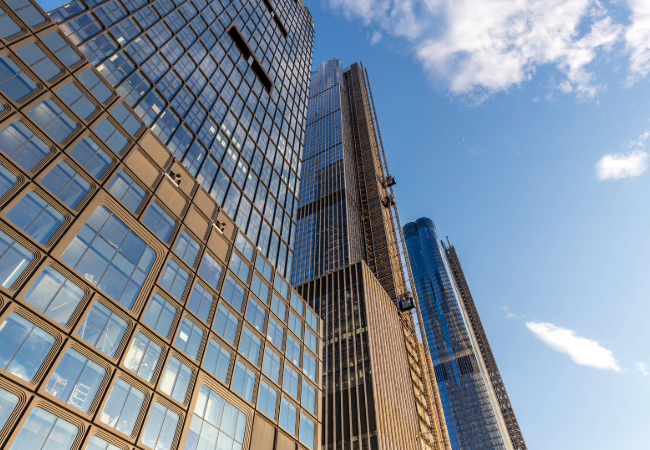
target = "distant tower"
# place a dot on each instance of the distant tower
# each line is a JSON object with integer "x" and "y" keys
{"x": 378, "y": 388}
{"x": 468, "y": 380}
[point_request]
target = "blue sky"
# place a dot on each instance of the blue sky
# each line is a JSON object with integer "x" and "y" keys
{"x": 496, "y": 117}
{"x": 521, "y": 129}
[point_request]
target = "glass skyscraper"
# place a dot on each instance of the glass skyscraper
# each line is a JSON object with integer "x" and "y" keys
{"x": 378, "y": 389}
{"x": 467, "y": 385}
{"x": 150, "y": 154}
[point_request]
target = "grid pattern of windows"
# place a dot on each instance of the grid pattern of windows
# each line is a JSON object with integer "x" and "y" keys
{"x": 166, "y": 311}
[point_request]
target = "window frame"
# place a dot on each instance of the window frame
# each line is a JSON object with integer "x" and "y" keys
{"x": 64, "y": 157}
{"x": 153, "y": 337}
{"x": 139, "y": 421}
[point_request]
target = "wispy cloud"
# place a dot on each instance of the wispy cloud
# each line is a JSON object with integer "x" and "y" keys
{"x": 627, "y": 164}
{"x": 480, "y": 47}
{"x": 582, "y": 351}
{"x": 511, "y": 315}
{"x": 376, "y": 37}
{"x": 643, "y": 368}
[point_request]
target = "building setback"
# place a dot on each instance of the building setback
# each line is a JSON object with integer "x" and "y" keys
{"x": 377, "y": 390}
{"x": 150, "y": 155}
{"x": 466, "y": 381}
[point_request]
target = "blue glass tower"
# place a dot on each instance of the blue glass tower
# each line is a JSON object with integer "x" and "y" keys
{"x": 469, "y": 403}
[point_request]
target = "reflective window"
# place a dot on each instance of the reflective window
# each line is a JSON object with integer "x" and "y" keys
{"x": 8, "y": 403}
{"x": 161, "y": 428}
{"x": 210, "y": 271}
{"x": 308, "y": 397}
{"x": 176, "y": 379}
{"x": 264, "y": 268}
{"x": 312, "y": 320}
{"x": 275, "y": 333}
{"x": 54, "y": 295}
{"x": 160, "y": 315}
{"x": 267, "y": 400}
{"x": 244, "y": 246}
{"x": 36, "y": 217}
{"x": 143, "y": 357}
{"x": 288, "y": 416}
{"x": 77, "y": 100}
{"x": 43, "y": 431}
{"x": 296, "y": 303}
{"x": 60, "y": 47}
{"x": 7, "y": 180}
{"x": 278, "y": 307}
{"x": 310, "y": 341}
{"x": 215, "y": 421}
{"x": 309, "y": 366}
{"x": 14, "y": 259}
{"x": 127, "y": 191}
{"x": 51, "y": 118}
{"x": 27, "y": 11}
{"x": 38, "y": 61}
{"x": 96, "y": 443}
{"x": 95, "y": 85}
{"x": 249, "y": 345}
{"x": 24, "y": 347}
{"x": 225, "y": 324}
{"x": 187, "y": 248}
{"x": 240, "y": 268}
{"x": 281, "y": 287}
{"x": 125, "y": 118}
{"x": 293, "y": 351}
{"x": 217, "y": 360}
{"x": 122, "y": 408}
{"x": 243, "y": 381}
{"x": 21, "y": 145}
{"x": 272, "y": 364}
{"x": 200, "y": 302}
{"x": 76, "y": 380}
{"x": 80, "y": 28}
{"x": 233, "y": 293}
{"x": 255, "y": 314}
{"x": 150, "y": 107}
{"x": 66, "y": 184}
{"x": 158, "y": 221}
{"x": 91, "y": 157}
{"x": 8, "y": 27}
{"x": 111, "y": 136}
{"x": 295, "y": 325}
{"x": 306, "y": 432}
{"x": 290, "y": 381}
{"x": 111, "y": 256}
{"x": 260, "y": 289}
{"x": 14, "y": 83}
{"x": 189, "y": 338}
{"x": 103, "y": 329}
{"x": 174, "y": 279}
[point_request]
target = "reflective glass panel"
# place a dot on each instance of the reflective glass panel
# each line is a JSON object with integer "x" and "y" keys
{"x": 23, "y": 346}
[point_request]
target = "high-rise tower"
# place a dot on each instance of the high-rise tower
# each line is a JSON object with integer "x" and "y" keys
{"x": 468, "y": 380}
{"x": 150, "y": 155}
{"x": 378, "y": 391}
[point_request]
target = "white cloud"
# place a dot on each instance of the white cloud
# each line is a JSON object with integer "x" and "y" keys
{"x": 643, "y": 368}
{"x": 480, "y": 47}
{"x": 637, "y": 39}
{"x": 622, "y": 165}
{"x": 582, "y": 351}
{"x": 376, "y": 37}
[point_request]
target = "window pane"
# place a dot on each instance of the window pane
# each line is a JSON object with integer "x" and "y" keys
{"x": 160, "y": 315}
{"x": 7, "y": 180}
{"x": 14, "y": 259}
{"x": 233, "y": 293}
{"x": 176, "y": 379}
{"x": 122, "y": 407}
{"x": 34, "y": 57}
{"x": 23, "y": 347}
{"x": 8, "y": 403}
{"x": 77, "y": 100}
{"x": 56, "y": 296}
{"x": 267, "y": 399}
{"x": 76, "y": 380}
{"x": 243, "y": 381}
{"x": 189, "y": 338}
{"x": 14, "y": 83}
{"x": 91, "y": 157}
{"x": 174, "y": 279}
{"x": 217, "y": 360}
{"x": 288, "y": 416}
{"x": 66, "y": 184}
{"x": 275, "y": 333}
{"x": 308, "y": 397}
{"x": 306, "y": 431}
{"x": 20, "y": 144}
{"x": 127, "y": 191}
{"x": 226, "y": 324}
{"x": 250, "y": 345}
{"x": 271, "y": 366}
{"x": 45, "y": 430}
{"x": 96, "y": 443}
{"x": 210, "y": 271}
{"x": 103, "y": 329}
{"x": 200, "y": 302}
{"x": 158, "y": 221}
{"x": 51, "y": 118}
{"x": 111, "y": 256}
{"x": 161, "y": 428}
{"x": 35, "y": 216}
{"x": 143, "y": 357}
{"x": 187, "y": 248}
